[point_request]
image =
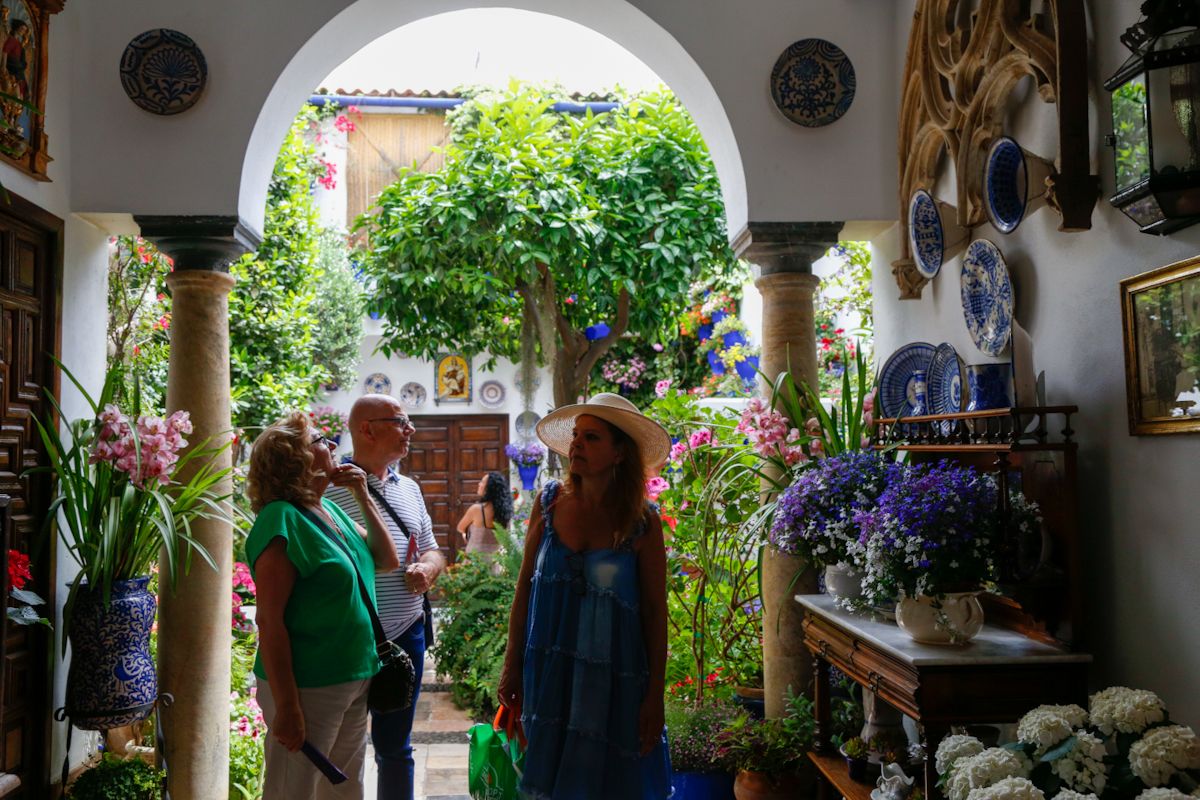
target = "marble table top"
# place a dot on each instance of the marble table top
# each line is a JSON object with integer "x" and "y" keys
{"x": 993, "y": 645}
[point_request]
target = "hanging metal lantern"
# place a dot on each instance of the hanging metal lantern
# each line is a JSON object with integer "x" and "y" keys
{"x": 1156, "y": 118}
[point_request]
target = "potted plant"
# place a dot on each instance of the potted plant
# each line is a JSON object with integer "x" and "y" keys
{"x": 932, "y": 540}
{"x": 699, "y": 770}
{"x": 113, "y": 777}
{"x": 23, "y": 611}
{"x": 528, "y": 457}
{"x": 816, "y": 517}
{"x": 855, "y": 752}
{"x": 771, "y": 755}
{"x": 121, "y": 504}
{"x": 329, "y": 421}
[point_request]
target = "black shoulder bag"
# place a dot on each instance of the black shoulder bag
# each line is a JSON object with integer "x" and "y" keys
{"x": 426, "y": 608}
{"x": 392, "y": 687}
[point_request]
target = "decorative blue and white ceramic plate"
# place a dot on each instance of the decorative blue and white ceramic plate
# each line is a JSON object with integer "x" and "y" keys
{"x": 163, "y": 71}
{"x": 925, "y": 236}
{"x": 896, "y": 376}
{"x": 491, "y": 394}
{"x": 945, "y": 382}
{"x": 1005, "y": 185}
{"x": 377, "y": 383}
{"x": 813, "y": 83}
{"x": 526, "y": 423}
{"x": 412, "y": 395}
{"x": 987, "y": 297}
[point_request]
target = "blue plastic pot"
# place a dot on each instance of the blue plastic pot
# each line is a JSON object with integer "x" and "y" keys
{"x": 703, "y": 786}
{"x": 733, "y": 338}
{"x": 715, "y": 363}
{"x": 747, "y": 369}
{"x": 528, "y": 475}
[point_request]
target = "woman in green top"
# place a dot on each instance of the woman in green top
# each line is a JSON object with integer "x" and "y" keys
{"x": 316, "y": 651}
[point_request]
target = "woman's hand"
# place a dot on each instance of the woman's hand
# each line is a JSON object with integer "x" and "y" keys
{"x": 650, "y": 722}
{"x": 509, "y": 691}
{"x": 353, "y": 478}
{"x": 288, "y": 726}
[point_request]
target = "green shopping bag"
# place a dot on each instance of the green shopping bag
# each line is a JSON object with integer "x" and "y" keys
{"x": 496, "y": 757}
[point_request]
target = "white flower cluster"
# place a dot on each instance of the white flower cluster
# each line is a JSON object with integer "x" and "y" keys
{"x": 1067, "y": 794}
{"x": 984, "y": 769}
{"x": 1075, "y": 715}
{"x": 1083, "y": 768}
{"x": 1162, "y": 752}
{"x": 1044, "y": 727}
{"x": 1163, "y": 793}
{"x": 953, "y": 748}
{"x": 1126, "y": 710}
{"x": 1008, "y": 789}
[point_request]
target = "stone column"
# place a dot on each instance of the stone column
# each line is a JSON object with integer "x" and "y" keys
{"x": 784, "y": 253}
{"x": 194, "y": 621}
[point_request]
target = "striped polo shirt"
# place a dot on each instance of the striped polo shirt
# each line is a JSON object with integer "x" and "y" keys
{"x": 398, "y": 607}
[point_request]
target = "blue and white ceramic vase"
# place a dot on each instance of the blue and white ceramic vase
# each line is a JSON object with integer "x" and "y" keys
{"x": 112, "y": 681}
{"x": 989, "y": 386}
{"x": 918, "y": 399}
{"x": 528, "y": 473}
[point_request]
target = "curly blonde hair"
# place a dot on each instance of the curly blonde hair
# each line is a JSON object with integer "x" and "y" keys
{"x": 281, "y": 463}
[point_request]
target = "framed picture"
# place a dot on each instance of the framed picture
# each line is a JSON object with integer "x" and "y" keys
{"x": 1160, "y": 311}
{"x": 24, "y": 37}
{"x": 452, "y": 379}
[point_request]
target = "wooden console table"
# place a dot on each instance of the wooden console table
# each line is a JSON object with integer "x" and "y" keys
{"x": 994, "y": 678}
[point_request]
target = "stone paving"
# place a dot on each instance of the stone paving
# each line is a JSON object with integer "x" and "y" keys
{"x": 439, "y": 744}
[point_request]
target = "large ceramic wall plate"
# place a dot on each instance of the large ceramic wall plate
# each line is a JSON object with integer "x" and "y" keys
{"x": 377, "y": 383}
{"x": 163, "y": 71}
{"x": 1005, "y": 185}
{"x": 945, "y": 381}
{"x": 813, "y": 83}
{"x": 526, "y": 424}
{"x": 412, "y": 395}
{"x": 925, "y": 235}
{"x": 895, "y": 391}
{"x": 491, "y": 394}
{"x": 987, "y": 297}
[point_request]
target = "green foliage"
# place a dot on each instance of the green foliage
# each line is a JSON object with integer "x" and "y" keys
{"x": 690, "y": 727}
{"x": 338, "y": 310}
{"x": 1132, "y": 154}
{"x": 116, "y": 779}
{"x": 773, "y": 746}
{"x": 558, "y": 219}
{"x": 477, "y": 595}
{"x": 139, "y": 317}
{"x": 846, "y": 425}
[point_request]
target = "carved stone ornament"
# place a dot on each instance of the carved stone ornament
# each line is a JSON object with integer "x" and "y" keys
{"x": 959, "y": 72}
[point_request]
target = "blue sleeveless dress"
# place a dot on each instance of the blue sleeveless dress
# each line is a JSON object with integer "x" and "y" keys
{"x": 585, "y": 676}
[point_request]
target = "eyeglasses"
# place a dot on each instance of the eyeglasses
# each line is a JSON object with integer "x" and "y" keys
{"x": 403, "y": 422}
{"x": 325, "y": 440}
{"x": 578, "y": 579}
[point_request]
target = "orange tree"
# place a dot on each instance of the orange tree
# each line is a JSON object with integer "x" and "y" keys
{"x": 549, "y": 219}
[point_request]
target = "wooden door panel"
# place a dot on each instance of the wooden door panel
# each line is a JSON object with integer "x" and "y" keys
{"x": 30, "y": 276}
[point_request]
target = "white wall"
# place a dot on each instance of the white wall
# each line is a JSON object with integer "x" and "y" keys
{"x": 1140, "y": 515}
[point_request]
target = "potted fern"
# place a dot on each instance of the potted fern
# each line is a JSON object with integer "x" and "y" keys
{"x": 119, "y": 503}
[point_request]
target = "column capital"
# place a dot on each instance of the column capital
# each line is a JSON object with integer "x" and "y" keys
{"x": 785, "y": 246}
{"x": 199, "y": 242}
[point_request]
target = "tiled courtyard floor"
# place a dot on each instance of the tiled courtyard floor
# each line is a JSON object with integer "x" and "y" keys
{"x": 439, "y": 744}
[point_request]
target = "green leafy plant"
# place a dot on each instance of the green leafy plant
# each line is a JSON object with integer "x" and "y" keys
{"x": 856, "y": 749}
{"x": 690, "y": 727}
{"x": 117, "y": 779}
{"x": 477, "y": 595}
{"x": 549, "y": 219}
{"x": 774, "y": 746}
{"x": 118, "y": 491}
{"x": 337, "y": 309}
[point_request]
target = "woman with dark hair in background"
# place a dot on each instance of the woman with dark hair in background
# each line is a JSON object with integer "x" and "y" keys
{"x": 495, "y": 505}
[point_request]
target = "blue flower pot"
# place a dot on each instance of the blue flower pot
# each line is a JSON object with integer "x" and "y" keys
{"x": 733, "y": 338}
{"x": 704, "y": 332}
{"x": 702, "y": 786}
{"x": 714, "y": 363}
{"x": 528, "y": 476}
{"x": 111, "y": 681}
{"x": 747, "y": 369}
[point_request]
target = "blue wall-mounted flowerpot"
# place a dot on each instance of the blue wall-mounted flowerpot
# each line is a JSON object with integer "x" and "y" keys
{"x": 733, "y": 338}
{"x": 528, "y": 475}
{"x": 714, "y": 362}
{"x": 747, "y": 368}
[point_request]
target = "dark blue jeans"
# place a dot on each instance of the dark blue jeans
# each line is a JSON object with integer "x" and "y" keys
{"x": 391, "y": 734}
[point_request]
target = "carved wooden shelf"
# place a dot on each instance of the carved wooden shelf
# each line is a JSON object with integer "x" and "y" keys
{"x": 994, "y": 430}
{"x": 834, "y": 770}
{"x": 957, "y": 80}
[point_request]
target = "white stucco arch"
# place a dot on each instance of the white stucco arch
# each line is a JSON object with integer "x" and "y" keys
{"x": 365, "y": 20}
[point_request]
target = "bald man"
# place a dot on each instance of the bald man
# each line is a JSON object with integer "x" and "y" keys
{"x": 380, "y": 431}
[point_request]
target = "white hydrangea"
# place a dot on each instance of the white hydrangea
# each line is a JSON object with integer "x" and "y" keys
{"x": 1008, "y": 789}
{"x": 953, "y": 748}
{"x": 1077, "y": 716}
{"x": 1163, "y": 793}
{"x": 1068, "y": 794}
{"x": 1162, "y": 752}
{"x": 1043, "y": 727}
{"x": 1083, "y": 768}
{"x": 1119, "y": 708}
{"x": 983, "y": 769}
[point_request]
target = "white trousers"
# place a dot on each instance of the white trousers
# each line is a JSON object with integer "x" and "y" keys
{"x": 335, "y": 722}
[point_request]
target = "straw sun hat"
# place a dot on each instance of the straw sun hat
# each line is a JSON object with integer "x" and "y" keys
{"x": 652, "y": 439}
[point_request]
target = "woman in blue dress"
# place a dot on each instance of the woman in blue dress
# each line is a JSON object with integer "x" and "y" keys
{"x": 587, "y": 644}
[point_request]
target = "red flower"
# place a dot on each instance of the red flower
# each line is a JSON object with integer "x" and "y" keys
{"x": 18, "y": 569}
{"x": 344, "y": 123}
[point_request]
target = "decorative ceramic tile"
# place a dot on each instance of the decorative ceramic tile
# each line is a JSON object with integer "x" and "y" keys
{"x": 163, "y": 71}
{"x": 813, "y": 83}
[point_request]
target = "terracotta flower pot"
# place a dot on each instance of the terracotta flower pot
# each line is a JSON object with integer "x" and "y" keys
{"x": 764, "y": 786}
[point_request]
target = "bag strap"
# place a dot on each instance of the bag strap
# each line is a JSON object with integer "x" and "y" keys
{"x": 383, "y": 648}
{"x": 381, "y": 501}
